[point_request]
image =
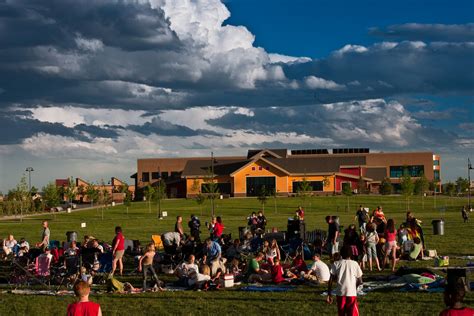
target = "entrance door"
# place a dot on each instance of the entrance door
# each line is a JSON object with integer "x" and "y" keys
{"x": 255, "y": 184}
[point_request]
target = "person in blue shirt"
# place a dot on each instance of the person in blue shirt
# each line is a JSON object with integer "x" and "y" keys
{"x": 214, "y": 250}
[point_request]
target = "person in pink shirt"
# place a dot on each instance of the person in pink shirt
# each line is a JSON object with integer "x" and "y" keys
{"x": 390, "y": 244}
{"x": 218, "y": 227}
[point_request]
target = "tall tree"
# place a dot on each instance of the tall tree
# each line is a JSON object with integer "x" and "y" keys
{"x": 462, "y": 185}
{"x": 149, "y": 192}
{"x": 159, "y": 195}
{"x": 421, "y": 185}
{"x": 347, "y": 191}
{"x": 211, "y": 189}
{"x": 70, "y": 190}
{"x": 51, "y": 195}
{"x": 92, "y": 193}
{"x": 263, "y": 196}
{"x": 407, "y": 187}
{"x": 303, "y": 191}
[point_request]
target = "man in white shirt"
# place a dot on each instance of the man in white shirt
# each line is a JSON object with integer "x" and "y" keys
{"x": 320, "y": 270}
{"x": 347, "y": 274}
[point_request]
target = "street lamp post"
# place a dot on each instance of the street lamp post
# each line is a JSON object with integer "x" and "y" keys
{"x": 212, "y": 185}
{"x": 29, "y": 170}
{"x": 469, "y": 168}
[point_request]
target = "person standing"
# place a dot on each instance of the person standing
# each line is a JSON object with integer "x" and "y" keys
{"x": 333, "y": 235}
{"x": 194, "y": 226}
{"x": 347, "y": 275}
{"x": 362, "y": 216}
{"x": 45, "y": 235}
{"x": 83, "y": 306}
{"x": 118, "y": 249}
{"x": 464, "y": 214}
{"x": 145, "y": 264}
{"x": 178, "y": 226}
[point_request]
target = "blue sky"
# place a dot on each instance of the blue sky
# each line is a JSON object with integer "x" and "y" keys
{"x": 315, "y": 28}
{"x": 89, "y": 86}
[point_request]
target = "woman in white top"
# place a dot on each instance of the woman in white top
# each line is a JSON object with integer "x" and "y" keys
{"x": 8, "y": 244}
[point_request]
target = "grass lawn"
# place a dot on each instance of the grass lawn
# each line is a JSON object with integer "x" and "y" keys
{"x": 139, "y": 223}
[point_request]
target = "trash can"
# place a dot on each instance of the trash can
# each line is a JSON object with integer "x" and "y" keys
{"x": 71, "y": 236}
{"x": 438, "y": 227}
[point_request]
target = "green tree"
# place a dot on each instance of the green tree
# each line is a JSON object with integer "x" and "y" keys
{"x": 462, "y": 185}
{"x": 450, "y": 188}
{"x": 159, "y": 195}
{"x": 407, "y": 186}
{"x": 149, "y": 192}
{"x": 347, "y": 191}
{"x": 199, "y": 197}
{"x": 92, "y": 193}
{"x": 421, "y": 185}
{"x": 51, "y": 195}
{"x": 386, "y": 187}
{"x": 20, "y": 198}
{"x": 211, "y": 189}
{"x": 263, "y": 196}
{"x": 127, "y": 199}
{"x": 70, "y": 190}
{"x": 303, "y": 191}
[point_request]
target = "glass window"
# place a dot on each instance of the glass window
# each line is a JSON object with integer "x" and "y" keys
{"x": 145, "y": 177}
{"x": 314, "y": 185}
{"x": 436, "y": 175}
{"x": 436, "y": 162}
{"x": 164, "y": 174}
{"x": 155, "y": 175}
{"x": 175, "y": 174}
{"x": 413, "y": 171}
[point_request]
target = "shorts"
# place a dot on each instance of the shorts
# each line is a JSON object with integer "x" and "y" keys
{"x": 119, "y": 254}
{"x": 389, "y": 245}
{"x": 347, "y": 305}
{"x": 371, "y": 251}
{"x": 333, "y": 248}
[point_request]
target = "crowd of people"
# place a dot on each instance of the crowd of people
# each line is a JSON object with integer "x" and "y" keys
{"x": 202, "y": 255}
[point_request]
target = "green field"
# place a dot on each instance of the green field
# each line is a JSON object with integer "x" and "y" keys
{"x": 139, "y": 223}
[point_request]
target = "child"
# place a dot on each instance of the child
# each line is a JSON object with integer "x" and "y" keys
{"x": 372, "y": 239}
{"x": 277, "y": 272}
{"x": 453, "y": 297}
{"x": 83, "y": 306}
{"x": 391, "y": 243}
{"x": 86, "y": 277}
{"x": 147, "y": 262}
{"x": 362, "y": 251}
{"x": 416, "y": 250}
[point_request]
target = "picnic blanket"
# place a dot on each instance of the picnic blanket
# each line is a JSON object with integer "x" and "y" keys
{"x": 256, "y": 288}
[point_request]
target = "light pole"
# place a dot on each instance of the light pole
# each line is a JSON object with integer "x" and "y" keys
{"x": 212, "y": 185}
{"x": 29, "y": 170}
{"x": 469, "y": 167}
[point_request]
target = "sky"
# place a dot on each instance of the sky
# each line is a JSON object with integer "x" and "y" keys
{"x": 89, "y": 86}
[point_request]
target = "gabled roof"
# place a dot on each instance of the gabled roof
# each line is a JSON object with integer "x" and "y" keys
{"x": 257, "y": 158}
{"x": 222, "y": 166}
{"x": 275, "y": 153}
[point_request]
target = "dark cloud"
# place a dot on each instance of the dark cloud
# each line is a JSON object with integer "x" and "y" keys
{"x": 427, "y": 32}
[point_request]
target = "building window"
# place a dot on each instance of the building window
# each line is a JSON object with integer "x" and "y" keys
{"x": 313, "y": 185}
{"x": 435, "y": 162}
{"x": 155, "y": 175}
{"x": 175, "y": 174}
{"x": 253, "y": 168}
{"x": 436, "y": 175}
{"x": 260, "y": 168}
{"x": 267, "y": 168}
{"x": 145, "y": 177}
{"x": 413, "y": 171}
{"x": 165, "y": 175}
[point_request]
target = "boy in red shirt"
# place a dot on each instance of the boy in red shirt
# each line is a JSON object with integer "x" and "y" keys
{"x": 453, "y": 297}
{"x": 83, "y": 307}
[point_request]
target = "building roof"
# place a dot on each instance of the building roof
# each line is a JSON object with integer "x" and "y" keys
{"x": 312, "y": 165}
{"x": 277, "y": 153}
{"x": 377, "y": 174}
{"x": 222, "y": 166}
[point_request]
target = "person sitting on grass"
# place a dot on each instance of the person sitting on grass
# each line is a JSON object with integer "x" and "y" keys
{"x": 298, "y": 266}
{"x": 347, "y": 275}
{"x": 9, "y": 245}
{"x": 83, "y": 306}
{"x": 254, "y": 273}
{"x": 416, "y": 249}
{"x": 145, "y": 264}
{"x": 277, "y": 272}
{"x": 319, "y": 271}
{"x": 453, "y": 298}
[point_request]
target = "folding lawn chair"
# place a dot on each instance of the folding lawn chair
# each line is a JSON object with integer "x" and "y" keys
{"x": 156, "y": 239}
